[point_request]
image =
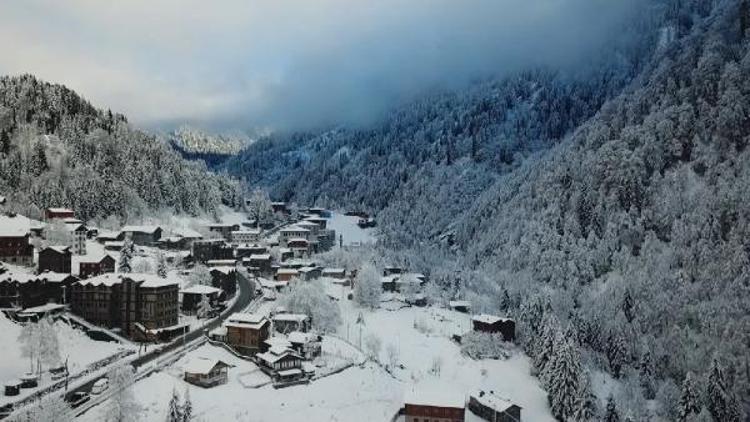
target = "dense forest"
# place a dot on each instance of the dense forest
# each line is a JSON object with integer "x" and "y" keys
{"x": 56, "y": 149}
{"x": 604, "y": 208}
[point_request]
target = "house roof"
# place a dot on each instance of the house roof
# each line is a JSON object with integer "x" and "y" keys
{"x": 254, "y": 231}
{"x": 301, "y": 338}
{"x": 59, "y": 210}
{"x": 246, "y": 320}
{"x": 290, "y": 271}
{"x": 290, "y": 317}
{"x": 203, "y": 366}
{"x": 106, "y": 279}
{"x": 223, "y": 269}
{"x": 94, "y": 258}
{"x": 294, "y": 229}
{"x": 333, "y": 270}
{"x": 141, "y": 229}
{"x": 492, "y": 400}
{"x": 488, "y": 319}
{"x": 201, "y": 289}
{"x": 145, "y": 280}
{"x": 270, "y": 357}
{"x": 435, "y": 397}
{"x": 15, "y": 226}
{"x": 59, "y": 248}
{"x": 278, "y": 342}
{"x": 261, "y": 257}
{"x": 459, "y": 303}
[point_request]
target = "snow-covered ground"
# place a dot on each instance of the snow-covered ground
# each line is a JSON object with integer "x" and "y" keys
{"x": 368, "y": 392}
{"x": 75, "y": 346}
{"x": 347, "y": 227}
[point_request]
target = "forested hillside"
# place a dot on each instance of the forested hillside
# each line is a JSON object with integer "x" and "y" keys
{"x": 212, "y": 149}
{"x": 607, "y": 209}
{"x": 56, "y": 149}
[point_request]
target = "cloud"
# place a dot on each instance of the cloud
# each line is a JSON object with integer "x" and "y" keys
{"x": 288, "y": 64}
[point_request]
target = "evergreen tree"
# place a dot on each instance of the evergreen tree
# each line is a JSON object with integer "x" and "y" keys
{"x": 124, "y": 265}
{"x": 563, "y": 380}
{"x": 505, "y": 302}
{"x": 161, "y": 265}
{"x": 545, "y": 345}
{"x": 174, "y": 413}
{"x": 586, "y": 402}
{"x": 720, "y": 401}
{"x": 628, "y": 306}
{"x": 187, "y": 407}
{"x": 616, "y": 353}
{"x": 646, "y": 375}
{"x": 610, "y": 412}
{"x": 689, "y": 404}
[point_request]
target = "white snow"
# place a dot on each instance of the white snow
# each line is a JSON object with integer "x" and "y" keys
{"x": 346, "y": 227}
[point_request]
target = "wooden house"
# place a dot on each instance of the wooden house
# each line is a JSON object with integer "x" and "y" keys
{"x": 286, "y": 274}
{"x": 205, "y": 372}
{"x": 143, "y": 235}
{"x": 493, "y": 408}
{"x": 56, "y": 259}
{"x": 212, "y": 249}
{"x": 58, "y": 213}
{"x": 287, "y": 323}
{"x": 442, "y": 406}
{"x": 246, "y": 332}
{"x": 14, "y": 240}
{"x": 95, "y": 265}
{"x": 192, "y": 296}
{"x": 494, "y": 324}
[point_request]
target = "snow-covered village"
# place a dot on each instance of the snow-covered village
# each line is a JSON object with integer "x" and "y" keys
{"x": 386, "y": 211}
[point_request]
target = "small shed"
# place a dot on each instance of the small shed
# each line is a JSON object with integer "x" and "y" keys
{"x": 205, "y": 372}
{"x": 494, "y": 324}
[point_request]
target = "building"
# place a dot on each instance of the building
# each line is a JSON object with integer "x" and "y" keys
{"x": 23, "y": 290}
{"x": 494, "y": 324}
{"x": 78, "y": 234}
{"x": 287, "y": 323}
{"x": 244, "y": 251}
{"x": 493, "y": 408}
{"x": 94, "y": 265}
{"x": 134, "y": 303}
{"x": 246, "y": 332}
{"x": 143, "y": 235}
{"x": 460, "y": 305}
{"x": 14, "y": 240}
{"x": 293, "y": 232}
{"x": 205, "y": 372}
{"x": 286, "y": 274}
{"x": 243, "y": 237}
{"x": 279, "y": 208}
{"x": 213, "y": 249}
{"x": 261, "y": 262}
{"x": 307, "y": 345}
{"x": 109, "y": 236}
{"x": 434, "y": 406}
{"x": 281, "y": 362}
{"x": 56, "y": 259}
{"x": 326, "y": 240}
{"x": 192, "y": 296}
{"x": 338, "y": 273}
{"x": 309, "y": 273}
{"x": 224, "y": 230}
{"x": 53, "y": 213}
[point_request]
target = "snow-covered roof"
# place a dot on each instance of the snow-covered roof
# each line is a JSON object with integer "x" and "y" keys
{"x": 47, "y": 307}
{"x": 307, "y": 269}
{"x": 290, "y": 271}
{"x": 333, "y": 270}
{"x": 106, "y": 279}
{"x": 459, "y": 303}
{"x": 435, "y": 397}
{"x": 290, "y": 317}
{"x": 278, "y": 343}
{"x": 246, "y": 320}
{"x": 202, "y": 366}
{"x": 488, "y": 319}
{"x": 251, "y": 231}
{"x": 307, "y": 223}
{"x": 290, "y": 372}
{"x": 389, "y": 278}
{"x": 492, "y": 400}
{"x": 201, "y": 289}
{"x": 301, "y": 338}
{"x": 270, "y": 357}
{"x": 59, "y": 248}
{"x": 53, "y": 277}
{"x": 294, "y": 229}
{"x": 221, "y": 262}
{"x": 94, "y": 257}
{"x": 141, "y": 229}
{"x": 224, "y": 269}
{"x": 60, "y": 210}
{"x": 260, "y": 257}
{"x": 297, "y": 240}
{"x": 108, "y": 235}
{"x": 145, "y": 280}
{"x": 187, "y": 233}
{"x": 16, "y": 226}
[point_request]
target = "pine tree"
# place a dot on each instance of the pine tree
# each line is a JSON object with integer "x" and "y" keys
{"x": 586, "y": 408}
{"x": 545, "y": 345}
{"x": 126, "y": 256}
{"x": 505, "y": 302}
{"x": 616, "y": 354}
{"x": 161, "y": 265}
{"x": 563, "y": 380}
{"x": 720, "y": 401}
{"x": 174, "y": 413}
{"x": 646, "y": 376}
{"x": 187, "y": 407}
{"x": 204, "y": 307}
{"x": 627, "y": 306}
{"x": 689, "y": 403}
{"x": 610, "y": 412}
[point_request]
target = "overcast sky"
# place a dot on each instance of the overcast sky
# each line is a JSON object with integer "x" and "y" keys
{"x": 286, "y": 64}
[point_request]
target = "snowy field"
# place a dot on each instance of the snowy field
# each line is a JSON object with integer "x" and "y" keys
{"x": 366, "y": 393}
{"x": 75, "y": 346}
{"x": 347, "y": 227}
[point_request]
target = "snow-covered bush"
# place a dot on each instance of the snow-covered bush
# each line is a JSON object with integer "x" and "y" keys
{"x": 310, "y": 298}
{"x": 367, "y": 287}
{"x": 484, "y": 346}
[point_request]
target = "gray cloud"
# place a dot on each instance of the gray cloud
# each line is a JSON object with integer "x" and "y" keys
{"x": 288, "y": 64}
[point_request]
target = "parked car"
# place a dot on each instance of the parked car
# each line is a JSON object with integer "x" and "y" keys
{"x": 100, "y": 386}
{"x": 6, "y": 410}
{"x": 78, "y": 398}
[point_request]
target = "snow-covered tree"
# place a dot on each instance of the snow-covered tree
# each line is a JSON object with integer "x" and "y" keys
{"x": 310, "y": 298}
{"x": 373, "y": 345}
{"x": 562, "y": 380}
{"x": 200, "y": 275}
{"x": 29, "y": 340}
{"x": 616, "y": 353}
{"x": 161, "y": 264}
{"x": 689, "y": 404}
{"x": 720, "y": 400}
{"x": 367, "y": 287}
{"x": 57, "y": 234}
{"x": 122, "y": 406}
{"x": 124, "y": 265}
{"x": 586, "y": 402}
{"x": 259, "y": 207}
{"x": 187, "y": 407}
{"x": 646, "y": 375}
{"x": 611, "y": 413}
{"x": 204, "y": 307}
{"x": 174, "y": 410}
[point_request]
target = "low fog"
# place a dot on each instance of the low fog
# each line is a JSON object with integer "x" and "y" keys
{"x": 289, "y": 64}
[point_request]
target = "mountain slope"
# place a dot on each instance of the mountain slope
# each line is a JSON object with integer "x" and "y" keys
{"x": 56, "y": 149}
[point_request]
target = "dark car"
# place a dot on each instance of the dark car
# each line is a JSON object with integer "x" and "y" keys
{"x": 78, "y": 398}
{"x": 6, "y": 410}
